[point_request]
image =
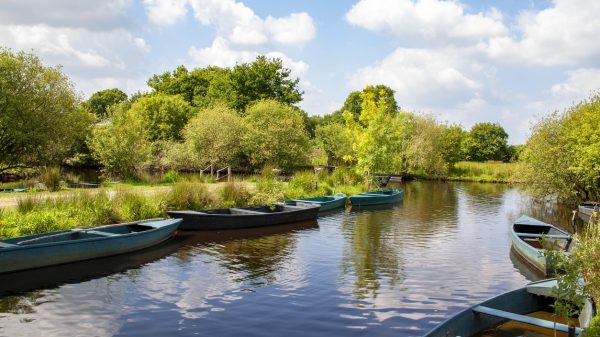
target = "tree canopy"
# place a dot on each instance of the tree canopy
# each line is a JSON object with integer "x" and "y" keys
{"x": 40, "y": 117}
{"x": 275, "y": 135}
{"x": 100, "y": 101}
{"x": 163, "y": 115}
{"x": 485, "y": 141}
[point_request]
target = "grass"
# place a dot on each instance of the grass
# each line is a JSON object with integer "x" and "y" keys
{"x": 495, "y": 172}
{"x": 43, "y": 212}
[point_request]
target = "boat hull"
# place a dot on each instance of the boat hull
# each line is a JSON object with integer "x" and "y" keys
{"x": 219, "y": 220}
{"x": 531, "y": 250}
{"x": 585, "y": 210}
{"x": 326, "y": 203}
{"x": 374, "y": 198}
{"x": 59, "y": 252}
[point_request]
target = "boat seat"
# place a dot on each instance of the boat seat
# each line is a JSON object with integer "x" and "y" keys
{"x": 529, "y": 235}
{"x": 246, "y": 211}
{"x": 7, "y": 245}
{"x": 524, "y": 319}
{"x": 102, "y": 233}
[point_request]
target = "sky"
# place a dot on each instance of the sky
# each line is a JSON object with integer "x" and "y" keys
{"x": 509, "y": 62}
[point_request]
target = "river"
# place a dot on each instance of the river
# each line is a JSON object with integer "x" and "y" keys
{"x": 397, "y": 270}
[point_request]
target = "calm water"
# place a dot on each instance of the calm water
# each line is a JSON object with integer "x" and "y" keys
{"x": 386, "y": 271}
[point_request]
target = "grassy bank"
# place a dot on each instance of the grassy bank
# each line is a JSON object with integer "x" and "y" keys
{"x": 35, "y": 214}
{"x": 493, "y": 172}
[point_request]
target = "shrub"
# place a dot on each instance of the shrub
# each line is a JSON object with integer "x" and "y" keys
{"x": 50, "y": 177}
{"x": 186, "y": 195}
{"x": 234, "y": 194}
{"x": 170, "y": 177}
{"x": 132, "y": 207}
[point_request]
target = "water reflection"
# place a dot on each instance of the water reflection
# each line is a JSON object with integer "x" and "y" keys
{"x": 393, "y": 270}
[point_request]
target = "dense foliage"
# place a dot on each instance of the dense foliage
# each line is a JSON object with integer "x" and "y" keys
{"x": 101, "y": 101}
{"x": 485, "y": 141}
{"x": 562, "y": 156}
{"x": 40, "y": 117}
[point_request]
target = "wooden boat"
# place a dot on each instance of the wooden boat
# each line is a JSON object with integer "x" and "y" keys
{"x": 327, "y": 203}
{"x": 79, "y": 244}
{"x": 526, "y": 234}
{"x": 79, "y": 184}
{"x": 236, "y": 218}
{"x": 378, "y": 197}
{"x": 585, "y": 210}
{"x": 514, "y": 305}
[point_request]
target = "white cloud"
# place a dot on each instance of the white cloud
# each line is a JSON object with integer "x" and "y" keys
{"x": 297, "y": 28}
{"x": 427, "y": 21}
{"x": 165, "y": 12}
{"x": 241, "y": 26}
{"x": 580, "y": 83}
{"x": 426, "y": 78}
{"x": 222, "y": 54}
{"x": 92, "y": 15}
{"x": 564, "y": 34}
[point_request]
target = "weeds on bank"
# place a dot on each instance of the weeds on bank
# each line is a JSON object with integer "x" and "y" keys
{"x": 485, "y": 172}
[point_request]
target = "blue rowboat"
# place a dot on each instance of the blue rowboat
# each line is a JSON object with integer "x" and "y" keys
{"x": 526, "y": 234}
{"x": 245, "y": 217}
{"x": 327, "y": 203}
{"x": 79, "y": 244}
{"x": 378, "y": 197}
{"x": 513, "y": 306}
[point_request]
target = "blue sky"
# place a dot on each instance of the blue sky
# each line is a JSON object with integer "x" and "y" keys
{"x": 464, "y": 62}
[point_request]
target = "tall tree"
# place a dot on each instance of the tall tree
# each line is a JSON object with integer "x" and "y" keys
{"x": 275, "y": 135}
{"x": 40, "y": 117}
{"x": 180, "y": 82}
{"x": 485, "y": 141}
{"x": 381, "y": 94}
{"x": 164, "y": 115}
{"x": 100, "y": 101}
{"x": 264, "y": 79}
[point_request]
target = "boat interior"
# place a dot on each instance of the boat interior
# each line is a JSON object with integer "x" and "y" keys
{"x": 246, "y": 210}
{"x": 553, "y": 238}
{"x": 75, "y": 234}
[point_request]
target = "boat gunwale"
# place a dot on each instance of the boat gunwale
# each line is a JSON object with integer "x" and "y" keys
{"x": 203, "y": 213}
{"x": 68, "y": 242}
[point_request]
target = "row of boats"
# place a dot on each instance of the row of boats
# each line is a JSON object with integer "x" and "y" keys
{"x": 532, "y": 304}
{"x": 53, "y": 248}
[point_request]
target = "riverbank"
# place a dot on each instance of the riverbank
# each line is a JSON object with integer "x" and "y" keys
{"x": 488, "y": 172}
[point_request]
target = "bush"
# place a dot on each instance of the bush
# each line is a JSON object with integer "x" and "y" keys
{"x": 186, "y": 195}
{"x": 170, "y": 177}
{"x": 132, "y": 207}
{"x": 50, "y": 177}
{"x": 234, "y": 194}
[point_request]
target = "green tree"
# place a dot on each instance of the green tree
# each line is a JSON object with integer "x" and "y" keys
{"x": 452, "y": 144}
{"x": 426, "y": 150}
{"x": 275, "y": 135}
{"x": 214, "y": 136}
{"x": 40, "y": 117}
{"x": 335, "y": 142}
{"x": 164, "y": 115}
{"x": 180, "y": 82}
{"x": 100, "y": 101}
{"x": 264, "y": 79}
{"x": 379, "y": 138}
{"x": 379, "y": 93}
{"x": 485, "y": 141}
{"x": 562, "y": 156}
{"x": 122, "y": 145}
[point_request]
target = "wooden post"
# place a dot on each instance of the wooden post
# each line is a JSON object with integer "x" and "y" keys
{"x": 211, "y": 170}
{"x": 228, "y": 173}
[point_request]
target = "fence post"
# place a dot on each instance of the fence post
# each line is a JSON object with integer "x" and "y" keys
{"x": 228, "y": 173}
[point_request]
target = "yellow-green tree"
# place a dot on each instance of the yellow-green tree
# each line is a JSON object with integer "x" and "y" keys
{"x": 379, "y": 136}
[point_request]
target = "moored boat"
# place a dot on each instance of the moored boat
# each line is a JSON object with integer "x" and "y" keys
{"x": 586, "y": 209}
{"x": 327, "y": 203}
{"x": 520, "y": 305}
{"x": 526, "y": 234}
{"x": 246, "y": 217}
{"x": 378, "y": 197}
{"x": 80, "y": 244}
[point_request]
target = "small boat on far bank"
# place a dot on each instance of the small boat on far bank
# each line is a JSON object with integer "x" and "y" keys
{"x": 246, "y": 217}
{"x": 79, "y": 244}
{"x": 529, "y": 305}
{"x": 378, "y": 197}
{"x": 327, "y": 203}
{"x": 526, "y": 234}
{"x": 586, "y": 209}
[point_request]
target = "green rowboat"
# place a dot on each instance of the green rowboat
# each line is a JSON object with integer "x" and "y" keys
{"x": 378, "y": 197}
{"x": 327, "y": 203}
